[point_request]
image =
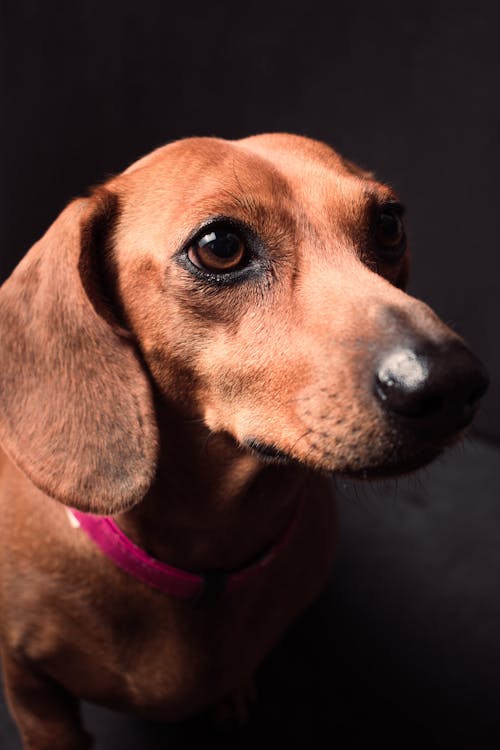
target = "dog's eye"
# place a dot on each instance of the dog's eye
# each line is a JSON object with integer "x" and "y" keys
{"x": 218, "y": 250}
{"x": 390, "y": 232}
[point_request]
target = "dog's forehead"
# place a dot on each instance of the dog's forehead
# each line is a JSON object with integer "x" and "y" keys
{"x": 269, "y": 160}
{"x": 294, "y": 152}
{"x": 256, "y": 179}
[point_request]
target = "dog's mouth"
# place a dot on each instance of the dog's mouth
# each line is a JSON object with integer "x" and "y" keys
{"x": 268, "y": 453}
{"x": 396, "y": 465}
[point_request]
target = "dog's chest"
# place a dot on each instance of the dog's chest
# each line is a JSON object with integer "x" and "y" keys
{"x": 110, "y": 639}
{"x": 157, "y": 659}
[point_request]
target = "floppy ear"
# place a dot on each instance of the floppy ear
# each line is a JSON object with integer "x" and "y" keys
{"x": 76, "y": 412}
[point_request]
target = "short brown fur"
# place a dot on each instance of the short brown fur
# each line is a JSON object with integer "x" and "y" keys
{"x": 129, "y": 388}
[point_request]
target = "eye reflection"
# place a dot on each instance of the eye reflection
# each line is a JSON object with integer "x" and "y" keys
{"x": 218, "y": 250}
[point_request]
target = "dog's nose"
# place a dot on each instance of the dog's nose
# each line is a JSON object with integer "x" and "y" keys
{"x": 434, "y": 386}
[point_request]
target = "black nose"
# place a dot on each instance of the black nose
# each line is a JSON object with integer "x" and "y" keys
{"x": 434, "y": 386}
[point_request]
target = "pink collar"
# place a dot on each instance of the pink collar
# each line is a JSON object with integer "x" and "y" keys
{"x": 111, "y": 540}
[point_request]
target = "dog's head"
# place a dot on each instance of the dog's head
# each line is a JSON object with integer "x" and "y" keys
{"x": 257, "y": 285}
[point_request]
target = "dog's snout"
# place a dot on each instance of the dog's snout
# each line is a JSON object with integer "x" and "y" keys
{"x": 434, "y": 386}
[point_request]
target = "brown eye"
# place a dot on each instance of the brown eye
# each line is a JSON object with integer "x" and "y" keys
{"x": 390, "y": 233}
{"x": 219, "y": 250}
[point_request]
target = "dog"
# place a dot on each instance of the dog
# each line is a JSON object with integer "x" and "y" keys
{"x": 187, "y": 357}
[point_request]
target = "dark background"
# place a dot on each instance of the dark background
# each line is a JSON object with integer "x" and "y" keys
{"x": 405, "y": 641}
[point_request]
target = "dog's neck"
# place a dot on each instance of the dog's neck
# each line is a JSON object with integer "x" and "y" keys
{"x": 212, "y": 505}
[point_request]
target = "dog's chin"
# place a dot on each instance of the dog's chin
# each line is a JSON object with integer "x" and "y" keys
{"x": 406, "y": 460}
{"x": 394, "y": 467}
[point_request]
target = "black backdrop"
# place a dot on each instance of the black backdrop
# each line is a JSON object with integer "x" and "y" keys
{"x": 410, "y": 90}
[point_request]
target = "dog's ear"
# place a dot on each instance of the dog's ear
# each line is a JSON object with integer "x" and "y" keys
{"x": 76, "y": 408}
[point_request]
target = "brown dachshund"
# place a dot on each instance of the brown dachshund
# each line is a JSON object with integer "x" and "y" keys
{"x": 186, "y": 358}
